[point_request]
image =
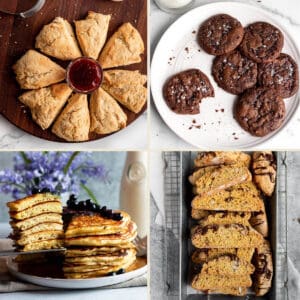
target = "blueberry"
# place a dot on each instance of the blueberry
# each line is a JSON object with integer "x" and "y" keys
{"x": 73, "y": 197}
{"x": 102, "y": 209}
{"x": 109, "y": 213}
{"x": 121, "y": 271}
{"x": 35, "y": 190}
{"x": 45, "y": 190}
{"x": 117, "y": 217}
{"x": 111, "y": 274}
{"x": 94, "y": 207}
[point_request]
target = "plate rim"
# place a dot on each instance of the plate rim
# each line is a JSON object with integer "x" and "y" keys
{"x": 88, "y": 282}
{"x": 259, "y": 140}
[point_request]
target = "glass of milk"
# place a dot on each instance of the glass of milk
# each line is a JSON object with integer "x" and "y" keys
{"x": 174, "y": 6}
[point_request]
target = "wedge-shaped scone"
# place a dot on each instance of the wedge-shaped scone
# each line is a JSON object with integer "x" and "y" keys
{"x": 57, "y": 39}
{"x": 227, "y": 265}
{"x": 213, "y": 282}
{"x": 201, "y": 256}
{"x": 241, "y": 197}
{"x": 46, "y": 103}
{"x": 220, "y": 178}
{"x": 264, "y": 269}
{"x": 123, "y": 48}
{"x": 106, "y": 114}
{"x": 92, "y": 33}
{"x": 73, "y": 124}
{"x": 213, "y": 158}
{"x": 35, "y": 70}
{"x": 225, "y": 236}
{"x": 127, "y": 87}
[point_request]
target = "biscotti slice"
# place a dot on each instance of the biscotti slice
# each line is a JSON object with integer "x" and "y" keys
{"x": 234, "y": 291}
{"x": 221, "y": 178}
{"x": 214, "y": 158}
{"x": 201, "y": 256}
{"x": 264, "y": 269}
{"x": 227, "y": 265}
{"x": 225, "y": 217}
{"x": 198, "y": 214}
{"x": 242, "y": 197}
{"x": 213, "y": 282}
{"x": 198, "y": 173}
{"x": 264, "y": 170}
{"x": 259, "y": 222}
{"x": 225, "y": 236}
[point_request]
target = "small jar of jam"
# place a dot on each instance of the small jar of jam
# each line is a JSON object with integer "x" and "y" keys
{"x": 84, "y": 75}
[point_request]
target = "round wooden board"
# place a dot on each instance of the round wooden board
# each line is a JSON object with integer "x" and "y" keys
{"x": 17, "y": 35}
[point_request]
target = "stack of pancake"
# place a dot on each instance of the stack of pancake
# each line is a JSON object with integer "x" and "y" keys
{"x": 231, "y": 226}
{"x": 37, "y": 222}
{"x": 99, "y": 246}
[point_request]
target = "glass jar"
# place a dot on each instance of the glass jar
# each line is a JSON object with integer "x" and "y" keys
{"x": 174, "y": 6}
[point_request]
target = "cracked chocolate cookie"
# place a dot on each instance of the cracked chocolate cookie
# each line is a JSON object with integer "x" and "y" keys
{"x": 262, "y": 42}
{"x": 184, "y": 91}
{"x": 281, "y": 74}
{"x": 220, "y": 34}
{"x": 260, "y": 111}
{"x": 234, "y": 72}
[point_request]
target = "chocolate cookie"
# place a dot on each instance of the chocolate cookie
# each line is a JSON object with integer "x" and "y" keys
{"x": 184, "y": 91}
{"x": 260, "y": 111}
{"x": 234, "y": 72}
{"x": 281, "y": 74}
{"x": 262, "y": 42}
{"x": 220, "y": 34}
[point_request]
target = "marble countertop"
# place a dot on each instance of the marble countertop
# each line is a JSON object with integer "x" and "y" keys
{"x": 287, "y": 12}
{"x": 134, "y": 137}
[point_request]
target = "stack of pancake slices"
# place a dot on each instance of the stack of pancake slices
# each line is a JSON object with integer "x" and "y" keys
{"x": 37, "y": 222}
{"x": 231, "y": 250}
{"x": 99, "y": 246}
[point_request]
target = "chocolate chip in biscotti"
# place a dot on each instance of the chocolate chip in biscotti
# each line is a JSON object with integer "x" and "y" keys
{"x": 281, "y": 74}
{"x": 184, "y": 91}
{"x": 262, "y": 42}
{"x": 234, "y": 72}
{"x": 220, "y": 34}
{"x": 260, "y": 111}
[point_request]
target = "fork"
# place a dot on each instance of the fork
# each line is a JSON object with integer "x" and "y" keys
{"x": 141, "y": 246}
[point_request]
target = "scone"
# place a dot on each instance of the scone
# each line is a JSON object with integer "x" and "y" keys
{"x": 73, "y": 124}
{"x": 123, "y": 48}
{"x": 34, "y": 70}
{"x": 213, "y": 158}
{"x": 106, "y": 114}
{"x": 264, "y": 269}
{"x": 46, "y": 103}
{"x": 264, "y": 169}
{"x": 127, "y": 87}
{"x": 57, "y": 39}
{"x": 92, "y": 33}
{"x": 225, "y": 236}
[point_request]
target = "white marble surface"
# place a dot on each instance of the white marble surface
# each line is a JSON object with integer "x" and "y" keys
{"x": 287, "y": 12}
{"x": 134, "y": 137}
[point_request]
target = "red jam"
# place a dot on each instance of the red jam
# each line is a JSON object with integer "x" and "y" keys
{"x": 84, "y": 75}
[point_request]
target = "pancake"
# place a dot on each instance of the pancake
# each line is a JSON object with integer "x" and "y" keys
{"x": 49, "y": 244}
{"x": 90, "y": 251}
{"x": 105, "y": 240}
{"x": 37, "y": 228}
{"x": 51, "y": 206}
{"x": 24, "y": 203}
{"x": 40, "y": 236}
{"x": 84, "y": 225}
{"x": 39, "y": 219}
{"x": 98, "y": 272}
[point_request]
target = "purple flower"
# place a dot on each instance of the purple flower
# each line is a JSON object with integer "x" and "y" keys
{"x": 57, "y": 171}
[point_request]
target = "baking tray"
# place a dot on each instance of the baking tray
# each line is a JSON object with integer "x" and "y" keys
{"x": 177, "y": 198}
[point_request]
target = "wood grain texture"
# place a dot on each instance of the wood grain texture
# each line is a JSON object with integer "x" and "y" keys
{"x": 17, "y": 35}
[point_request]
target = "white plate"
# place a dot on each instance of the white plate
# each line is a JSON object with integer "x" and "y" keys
{"x": 74, "y": 283}
{"x": 218, "y": 130}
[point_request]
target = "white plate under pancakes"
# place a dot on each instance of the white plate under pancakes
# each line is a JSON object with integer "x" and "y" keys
{"x": 74, "y": 283}
{"x": 178, "y": 50}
